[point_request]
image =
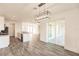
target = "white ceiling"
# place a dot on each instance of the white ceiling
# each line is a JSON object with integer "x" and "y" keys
{"x": 26, "y": 12}
{"x": 17, "y": 11}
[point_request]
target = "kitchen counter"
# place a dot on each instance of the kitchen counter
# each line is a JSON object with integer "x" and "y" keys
{"x": 4, "y": 35}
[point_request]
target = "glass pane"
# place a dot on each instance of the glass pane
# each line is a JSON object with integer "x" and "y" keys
{"x": 60, "y": 32}
{"x": 51, "y": 32}
{"x": 56, "y": 31}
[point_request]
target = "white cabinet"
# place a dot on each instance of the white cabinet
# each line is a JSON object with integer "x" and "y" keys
{"x": 1, "y": 23}
{"x": 4, "y": 41}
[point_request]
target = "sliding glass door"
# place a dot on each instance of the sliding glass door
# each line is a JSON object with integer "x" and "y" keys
{"x": 56, "y": 31}
{"x": 60, "y": 32}
{"x": 51, "y": 32}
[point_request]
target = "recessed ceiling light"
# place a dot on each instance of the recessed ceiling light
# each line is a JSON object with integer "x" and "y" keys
{"x": 13, "y": 17}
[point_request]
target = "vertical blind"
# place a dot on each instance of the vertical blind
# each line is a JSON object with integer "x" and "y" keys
{"x": 30, "y": 28}
{"x": 56, "y": 31}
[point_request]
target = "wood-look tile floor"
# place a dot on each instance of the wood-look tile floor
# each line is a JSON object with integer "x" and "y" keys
{"x": 17, "y": 48}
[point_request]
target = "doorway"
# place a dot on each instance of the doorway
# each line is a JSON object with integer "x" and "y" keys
{"x": 12, "y": 29}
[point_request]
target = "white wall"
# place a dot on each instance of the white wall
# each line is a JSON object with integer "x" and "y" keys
{"x": 1, "y": 23}
{"x": 72, "y": 31}
{"x": 43, "y": 30}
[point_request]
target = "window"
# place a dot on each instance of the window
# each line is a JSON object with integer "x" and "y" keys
{"x": 30, "y": 28}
